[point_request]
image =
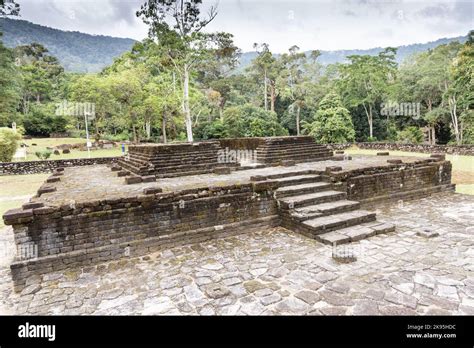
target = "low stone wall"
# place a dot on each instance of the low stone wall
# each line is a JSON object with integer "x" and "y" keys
{"x": 338, "y": 146}
{"x": 104, "y": 230}
{"x": 397, "y": 181}
{"x": 38, "y": 167}
{"x": 467, "y": 150}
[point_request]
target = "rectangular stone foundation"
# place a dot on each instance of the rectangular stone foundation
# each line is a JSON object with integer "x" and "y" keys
{"x": 98, "y": 230}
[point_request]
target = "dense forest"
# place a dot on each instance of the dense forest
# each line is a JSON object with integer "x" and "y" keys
{"x": 76, "y": 51}
{"x": 180, "y": 84}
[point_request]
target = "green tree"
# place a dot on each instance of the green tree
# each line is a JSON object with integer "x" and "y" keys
{"x": 462, "y": 72}
{"x": 161, "y": 104}
{"x": 251, "y": 121}
{"x": 411, "y": 135}
{"x": 178, "y": 24}
{"x": 266, "y": 68}
{"x": 41, "y": 73}
{"x": 96, "y": 89}
{"x": 332, "y": 122}
{"x": 41, "y": 120}
{"x": 365, "y": 81}
{"x": 127, "y": 87}
{"x": 10, "y": 91}
{"x": 298, "y": 81}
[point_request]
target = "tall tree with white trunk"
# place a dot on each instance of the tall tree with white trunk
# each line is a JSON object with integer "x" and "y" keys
{"x": 177, "y": 26}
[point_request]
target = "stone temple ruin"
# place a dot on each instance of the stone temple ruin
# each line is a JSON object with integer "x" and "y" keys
{"x": 167, "y": 195}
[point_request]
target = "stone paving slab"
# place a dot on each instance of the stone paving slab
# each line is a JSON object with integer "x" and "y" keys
{"x": 79, "y": 184}
{"x": 276, "y": 271}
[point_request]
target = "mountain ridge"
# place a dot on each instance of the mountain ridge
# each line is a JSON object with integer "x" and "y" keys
{"x": 88, "y": 53}
{"x": 91, "y": 53}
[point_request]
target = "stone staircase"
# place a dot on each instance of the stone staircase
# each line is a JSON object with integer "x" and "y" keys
{"x": 310, "y": 206}
{"x": 173, "y": 160}
{"x": 297, "y": 149}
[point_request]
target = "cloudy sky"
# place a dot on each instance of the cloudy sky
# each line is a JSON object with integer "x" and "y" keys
{"x": 310, "y": 24}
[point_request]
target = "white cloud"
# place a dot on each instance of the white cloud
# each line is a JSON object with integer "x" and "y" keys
{"x": 316, "y": 24}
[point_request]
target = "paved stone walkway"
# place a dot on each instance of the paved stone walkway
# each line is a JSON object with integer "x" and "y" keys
{"x": 278, "y": 272}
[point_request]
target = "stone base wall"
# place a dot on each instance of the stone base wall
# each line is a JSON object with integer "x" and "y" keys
{"x": 104, "y": 230}
{"x": 48, "y": 166}
{"x": 335, "y": 147}
{"x": 467, "y": 150}
{"x": 395, "y": 181}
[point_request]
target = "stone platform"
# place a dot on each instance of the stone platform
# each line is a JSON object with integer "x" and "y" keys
{"x": 146, "y": 162}
{"x": 276, "y": 271}
{"x": 84, "y": 216}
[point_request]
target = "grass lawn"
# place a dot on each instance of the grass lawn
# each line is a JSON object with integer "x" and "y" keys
{"x": 463, "y": 166}
{"x": 16, "y": 189}
{"x": 43, "y": 143}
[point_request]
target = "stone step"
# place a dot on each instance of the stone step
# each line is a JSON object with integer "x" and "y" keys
{"x": 183, "y": 173}
{"x": 294, "y": 153}
{"x": 134, "y": 169}
{"x": 278, "y": 149}
{"x": 297, "y": 173}
{"x": 293, "y": 190}
{"x": 323, "y": 209}
{"x": 273, "y": 148}
{"x": 300, "y": 140}
{"x": 333, "y": 222}
{"x": 355, "y": 233}
{"x": 296, "y": 158}
{"x": 298, "y": 179}
{"x": 173, "y": 153}
{"x": 187, "y": 158}
{"x": 250, "y": 166}
{"x": 311, "y": 199}
{"x": 188, "y": 167}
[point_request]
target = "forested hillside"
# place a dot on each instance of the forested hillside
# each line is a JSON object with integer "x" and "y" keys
{"x": 340, "y": 56}
{"x": 80, "y": 52}
{"x": 76, "y": 51}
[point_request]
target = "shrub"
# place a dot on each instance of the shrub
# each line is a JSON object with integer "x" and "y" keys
{"x": 411, "y": 135}
{"x": 467, "y": 118}
{"x": 43, "y": 155}
{"x": 251, "y": 121}
{"x": 41, "y": 121}
{"x": 210, "y": 130}
{"x": 8, "y": 143}
{"x": 332, "y": 122}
